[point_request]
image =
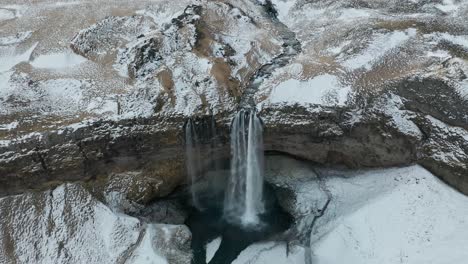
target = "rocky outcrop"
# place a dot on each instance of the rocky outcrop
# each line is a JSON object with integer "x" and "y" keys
{"x": 68, "y": 225}
{"x": 89, "y": 153}
{"x": 333, "y": 136}
{"x": 358, "y": 109}
{"x": 327, "y": 135}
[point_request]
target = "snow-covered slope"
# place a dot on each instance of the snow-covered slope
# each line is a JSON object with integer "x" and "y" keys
{"x": 68, "y": 225}
{"x": 419, "y": 220}
{"x": 397, "y": 215}
{"x": 200, "y": 57}
{"x": 360, "y": 46}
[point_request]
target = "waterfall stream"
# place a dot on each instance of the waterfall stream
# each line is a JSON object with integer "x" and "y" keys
{"x": 193, "y": 163}
{"x": 201, "y": 142}
{"x": 244, "y": 194}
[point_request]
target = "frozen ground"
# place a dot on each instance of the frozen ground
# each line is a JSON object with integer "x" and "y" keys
{"x": 400, "y": 215}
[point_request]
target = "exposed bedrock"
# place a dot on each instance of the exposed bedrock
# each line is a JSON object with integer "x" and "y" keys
{"x": 144, "y": 158}
{"x": 327, "y": 136}
{"x": 356, "y": 106}
{"x": 67, "y": 225}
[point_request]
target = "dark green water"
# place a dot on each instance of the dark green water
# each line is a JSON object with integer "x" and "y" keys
{"x": 209, "y": 224}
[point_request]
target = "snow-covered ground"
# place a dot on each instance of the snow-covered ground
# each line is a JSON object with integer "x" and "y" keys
{"x": 418, "y": 220}
{"x": 59, "y": 60}
{"x": 67, "y": 225}
{"x": 349, "y": 48}
{"x": 6, "y": 14}
{"x": 397, "y": 215}
{"x": 323, "y": 90}
{"x": 212, "y": 247}
{"x": 271, "y": 252}
{"x": 380, "y": 45}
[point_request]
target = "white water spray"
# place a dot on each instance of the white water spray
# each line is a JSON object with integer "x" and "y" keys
{"x": 244, "y": 194}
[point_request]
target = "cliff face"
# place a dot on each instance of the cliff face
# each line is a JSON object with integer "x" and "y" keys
{"x": 88, "y": 102}
{"x": 97, "y": 93}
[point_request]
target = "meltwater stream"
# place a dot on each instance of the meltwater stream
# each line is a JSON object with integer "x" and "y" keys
{"x": 244, "y": 193}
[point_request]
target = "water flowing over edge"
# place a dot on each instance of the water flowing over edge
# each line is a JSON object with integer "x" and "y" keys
{"x": 201, "y": 141}
{"x": 244, "y": 193}
{"x": 193, "y": 163}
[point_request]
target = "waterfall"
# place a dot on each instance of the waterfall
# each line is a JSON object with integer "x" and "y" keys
{"x": 214, "y": 144}
{"x": 244, "y": 194}
{"x": 193, "y": 163}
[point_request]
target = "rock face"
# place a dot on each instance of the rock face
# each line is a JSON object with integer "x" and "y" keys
{"x": 341, "y": 98}
{"x": 68, "y": 225}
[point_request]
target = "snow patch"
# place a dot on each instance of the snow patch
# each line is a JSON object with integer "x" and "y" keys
{"x": 146, "y": 253}
{"x": 283, "y": 7}
{"x": 101, "y": 105}
{"x": 212, "y": 247}
{"x": 441, "y": 54}
{"x": 58, "y": 60}
{"x": 163, "y": 13}
{"x": 18, "y": 10}
{"x": 63, "y": 94}
{"x": 463, "y": 89}
{"x": 338, "y": 49}
{"x": 10, "y": 61}
{"x": 323, "y": 89}
{"x": 271, "y": 252}
{"x": 6, "y": 14}
{"x": 378, "y": 47}
{"x": 447, "y": 6}
{"x": 459, "y": 40}
{"x": 9, "y": 126}
{"x": 15, "y": 39}
{"x": 69, "y": 3}
{"x": 401, "y": 119}
{"x": 354, "y": 13}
